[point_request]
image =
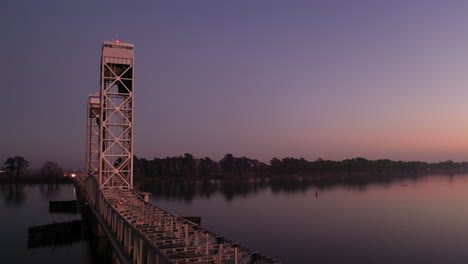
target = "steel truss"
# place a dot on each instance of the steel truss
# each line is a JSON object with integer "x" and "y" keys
{"x": 92, "y": 153}
{"x": 179, "y": 239}
{"x": 146, "y": 233}
{"x": 116, "y": 126}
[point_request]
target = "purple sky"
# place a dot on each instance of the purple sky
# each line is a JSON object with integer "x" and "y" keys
{"x": 263, "y": 79}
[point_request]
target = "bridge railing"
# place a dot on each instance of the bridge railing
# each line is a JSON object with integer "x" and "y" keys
{"x": 134, "y": 243}
{"x": 151, "y": 235}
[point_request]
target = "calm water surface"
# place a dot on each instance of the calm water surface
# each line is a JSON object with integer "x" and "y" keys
{"x": 421, "y": 220}
{"x": 23, "y": 206}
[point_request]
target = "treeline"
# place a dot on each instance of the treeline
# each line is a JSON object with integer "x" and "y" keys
{"x": 15, "y": 167}
{"x": 301, "y": 166}
{"x": 187, "y": 166}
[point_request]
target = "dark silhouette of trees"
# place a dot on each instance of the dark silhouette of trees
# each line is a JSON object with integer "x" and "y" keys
{"x": 51, "y": 170}
{"x": 241, "y": 166}
{"x": 16, "y": 165}
{"x": 228, "y": 163}
{"x": 293, "y": 166}
{"x": 175, "y": 167}
{"x": 189, "y": 167}
{"x": 208, "y": 167}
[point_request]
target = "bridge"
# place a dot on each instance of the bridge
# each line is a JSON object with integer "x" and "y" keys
{"x": 138, "y": 231}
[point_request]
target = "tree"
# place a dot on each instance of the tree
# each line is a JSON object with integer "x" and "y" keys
{"x": 16, "y": 165}
{"x": 208, "y": 167}
{"x": 188, "y": 165}
{"x": 227, "y": 163}
{"x": 51, "y": 169}
{"x": 276, "y": 166}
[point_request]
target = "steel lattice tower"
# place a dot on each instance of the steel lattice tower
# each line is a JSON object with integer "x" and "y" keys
{"x": 116, "y": 116}
{"x": 92, "y": 153}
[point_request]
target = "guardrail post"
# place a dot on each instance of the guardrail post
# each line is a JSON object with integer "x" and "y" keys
{"x": 134, "y": 247}
{"x": 129, "y": 241}
{"x": 187, "y": 238}
{"x": 141, "y": 251}
{"x": 207, "y": 249}
{"x": 236, "y": 254}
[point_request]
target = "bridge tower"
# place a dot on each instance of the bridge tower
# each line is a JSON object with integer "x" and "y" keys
{"x": 116, "y": 116}
{"x": 92, "y": 140}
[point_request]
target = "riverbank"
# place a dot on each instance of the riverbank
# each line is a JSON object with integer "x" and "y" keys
{"x": 33, "y": 179}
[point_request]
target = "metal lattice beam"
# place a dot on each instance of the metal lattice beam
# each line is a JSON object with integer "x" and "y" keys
{"x": 116, "y": 126}
{"x": 146, "y": 233}
{"x": 92, "y": 153}
{"x": 179, "y": 239}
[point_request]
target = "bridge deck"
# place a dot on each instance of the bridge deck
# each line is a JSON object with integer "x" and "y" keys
{"x": 179, "y": 240}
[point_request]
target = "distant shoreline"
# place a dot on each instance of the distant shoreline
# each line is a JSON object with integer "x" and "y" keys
{"x": 324, "y": 177}
{"x": 33, "y": 179}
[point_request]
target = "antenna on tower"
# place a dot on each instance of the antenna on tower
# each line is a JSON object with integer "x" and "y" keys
{"x": 116, "y": 39}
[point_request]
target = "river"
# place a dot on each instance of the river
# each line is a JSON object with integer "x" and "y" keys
{"x": 411, "y": 220}
{"x": 23, "y": 206}
{"x": 416, "y": 220}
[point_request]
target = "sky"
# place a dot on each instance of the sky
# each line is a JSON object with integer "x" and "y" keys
{"x": 258, "y": 78}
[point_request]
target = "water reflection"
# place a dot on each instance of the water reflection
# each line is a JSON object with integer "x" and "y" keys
{"x": 48, "y": 191}
{"x": 26, "y": 205}
{"x": 187, "y": 190}
{"x": 13, "y": 194}
{"x": 399, "y": 218}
